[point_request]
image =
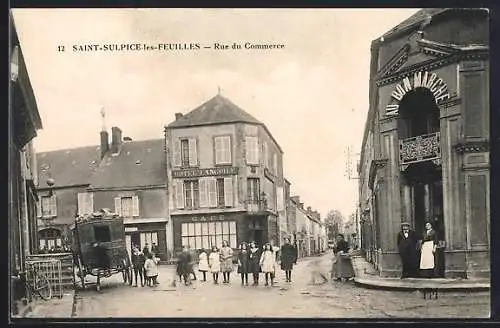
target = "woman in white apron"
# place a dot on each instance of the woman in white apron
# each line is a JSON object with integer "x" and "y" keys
{"x": 427, "y": 251}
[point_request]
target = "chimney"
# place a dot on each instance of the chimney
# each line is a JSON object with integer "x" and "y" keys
{"x": 309, "y": 209}
{"x": 127, "y": 139}
{"x": 104, "y": 143}
{"x": 295, "y": 199}
{"x": 116, "y": 139}
{"x": 178, "y": 116}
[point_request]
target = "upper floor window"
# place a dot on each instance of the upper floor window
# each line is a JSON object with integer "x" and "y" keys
{"x": 85, "y": 203}
{"x": 265, "y": 152}
{"x": 222, "y": 146}
{"x": 185, "y": 152}
{"x": 127, "y": 206}
{"x": 203, "y": 193}
{"x": 275, "y": 164}
{"x": 253, "y": 186}
{"x": 191, "y": 194}
{"x": 252, "y": 150}
{"x": 48, "y": 206}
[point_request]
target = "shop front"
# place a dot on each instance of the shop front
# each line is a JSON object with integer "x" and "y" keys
{"x": 141, "y": 234}
{"x": 206, "y": 230}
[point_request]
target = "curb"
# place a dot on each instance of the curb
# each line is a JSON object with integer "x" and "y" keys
{"x": 360, "y": 282}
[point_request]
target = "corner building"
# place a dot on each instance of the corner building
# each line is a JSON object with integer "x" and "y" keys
{"x": 425, "y": 152}
{"x": 225, "y": 178}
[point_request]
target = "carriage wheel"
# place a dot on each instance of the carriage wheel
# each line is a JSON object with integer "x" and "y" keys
{"x": 81, "y": 272}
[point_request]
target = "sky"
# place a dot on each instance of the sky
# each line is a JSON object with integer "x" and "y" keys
{"x": 312, "y": 94}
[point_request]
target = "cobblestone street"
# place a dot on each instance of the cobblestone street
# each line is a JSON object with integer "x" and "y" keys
{"x": 299, "y": 299}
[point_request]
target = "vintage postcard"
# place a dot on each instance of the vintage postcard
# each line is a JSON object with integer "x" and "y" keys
{"x": 249, "y": 163}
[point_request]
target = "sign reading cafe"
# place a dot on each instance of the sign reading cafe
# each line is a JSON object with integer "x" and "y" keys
{"x": 426, "y": 80}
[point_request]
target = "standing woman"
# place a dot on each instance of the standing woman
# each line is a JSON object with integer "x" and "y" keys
{"x": 342, "y": 264}
{"x": 243, "y": 263}
{"x": 268, "y": 263}
{"x": 226, "y": 258}
{"x": 214, "y": 263}
{"x": 288, "y": 256}
{"x": 428, "y": 249}
{"x": 203, "y": 263}
{"x": 254, "y": 258}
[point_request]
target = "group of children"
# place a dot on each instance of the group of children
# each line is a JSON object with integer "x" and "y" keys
{"x": 251, "y": 260}
{"x": 145, "y": 265}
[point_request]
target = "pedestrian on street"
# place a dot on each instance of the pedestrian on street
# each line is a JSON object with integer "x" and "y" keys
{"x": 408, "y": 250}
{"x": 243, "y": 263}
{"x": 275, "y": 250}
{"x": 342, "y": 266}
{"x": 226, "y": 258}
{"x": 138, "y": 260}
{"x": 428, "y": 249}
{"x": 288, "y": 257}
{"x": 254, "y": 257}
{"x": 203, "y": 263}
{"x": 146, "y": 250}
{"x": 192, "y": 257}
{"x": 156, "y": 252}
{"x": 214, "y": 263}
{"x": 268, "y": 263}
{"x": 185, "y": 265}
{"x": 151, "y": 271}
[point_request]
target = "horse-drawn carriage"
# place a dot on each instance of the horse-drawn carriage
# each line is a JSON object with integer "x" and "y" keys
{"x": 99, "y": 247}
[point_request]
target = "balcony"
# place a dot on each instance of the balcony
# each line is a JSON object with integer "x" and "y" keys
{"x": 257, "y": 207}
{"x": 420, "y": 149}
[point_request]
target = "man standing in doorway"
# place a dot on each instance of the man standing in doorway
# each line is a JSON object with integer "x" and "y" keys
{"x": 407, "y": 246}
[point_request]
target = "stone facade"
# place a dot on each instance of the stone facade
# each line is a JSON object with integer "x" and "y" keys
{"x": 225, "y": 176}
{"x": 425, "y": 152}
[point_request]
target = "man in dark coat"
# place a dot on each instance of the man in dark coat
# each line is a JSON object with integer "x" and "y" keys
{"x": 407, "y": 246}
{"x": 288, "y": 256}
{"x": 185, "y": 263}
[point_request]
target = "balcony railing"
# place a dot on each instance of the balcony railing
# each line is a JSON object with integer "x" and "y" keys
{"x": 419, "y": 149}
{"x": 257, "y": 206}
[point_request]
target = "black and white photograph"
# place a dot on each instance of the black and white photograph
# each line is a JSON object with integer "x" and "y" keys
{"x": 249, "y": 163}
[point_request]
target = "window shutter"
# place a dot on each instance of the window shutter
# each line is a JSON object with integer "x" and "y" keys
{"x": 256, "y": 150}
{"x": 217, "y": 145}
{"x": 135, "y": 205}
{"x": 39, "y": 208}
{"x": 227, "y": 150}
{"x": 203, "y": 192}
{"x": 176, "y": 154}
{"x": 264, "y": 146}
{"x": 179, "y": 194}
{"x": 212, "y": 192}
{"x": 90, "y": 203}
{"x": 193, "y": 153}
{"x": 118, "y": 206}
{"x": 81, "y": 204}
{"x": 228, "y": 192}
{"x": 275, "y": 164}
{"x": 249, "y": 150}
{"x": 54, "y": 205}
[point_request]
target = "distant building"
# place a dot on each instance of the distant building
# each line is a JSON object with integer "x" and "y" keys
{"x": 24, "y": 122}
{"x": 131, "y": 181}
{"x": 127, "y": 177}
{"x": 70, "y": 170}
{"x": 425, "y": 151}
{"x": 225, "y": 178}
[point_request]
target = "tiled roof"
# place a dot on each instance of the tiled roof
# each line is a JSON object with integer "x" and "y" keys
{"x": 417, "y": 18}
{"x": 217, "y": 110}
{"x": 139, "y": 163}
{"x": 68, "y": 167}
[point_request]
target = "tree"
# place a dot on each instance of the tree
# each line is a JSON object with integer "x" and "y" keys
{"x": 334, "y": 221}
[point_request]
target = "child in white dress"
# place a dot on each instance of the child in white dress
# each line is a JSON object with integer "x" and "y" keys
{"x": 203, "y": 263}
{"x": 214, "y": 263}
{"x": 268, "y": 263}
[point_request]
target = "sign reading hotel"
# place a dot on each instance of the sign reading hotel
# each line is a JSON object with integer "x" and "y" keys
{"x": 426, "y": 80}
{"x": 195, "y": 173}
